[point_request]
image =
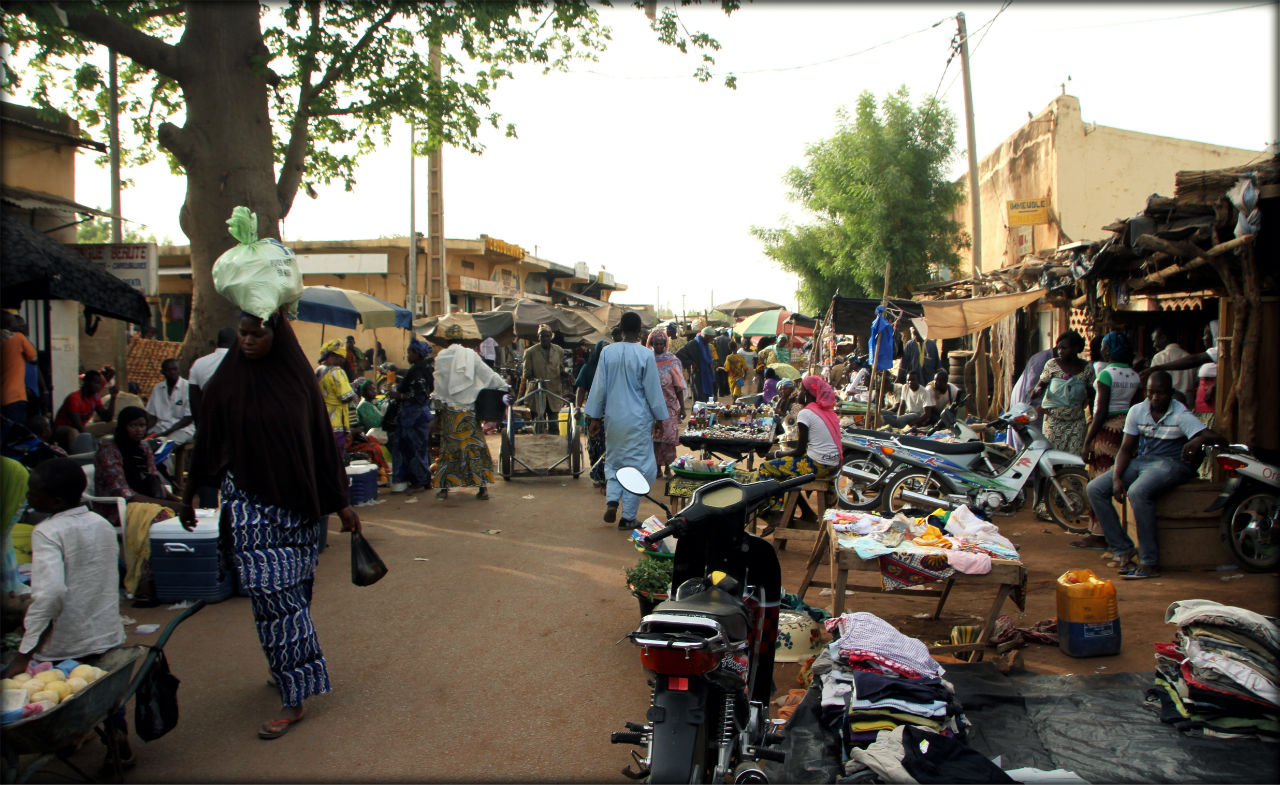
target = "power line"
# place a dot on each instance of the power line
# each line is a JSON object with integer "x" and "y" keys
{"x": 1150, "y": 20}
{"x": 956, "y": 43}
{"x": 788, "y": 67}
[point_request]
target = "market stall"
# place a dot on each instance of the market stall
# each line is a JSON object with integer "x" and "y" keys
{"x": 729, "y": 431}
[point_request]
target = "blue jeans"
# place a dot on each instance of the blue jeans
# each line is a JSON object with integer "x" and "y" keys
{"x": 1147, "y": 478}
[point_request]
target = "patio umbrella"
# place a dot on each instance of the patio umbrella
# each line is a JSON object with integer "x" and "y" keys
{"x": 475, "y": 326}
{"x": 763, "y": 323}
{"x": 748, "y": 306}
{"x": 786, "y": 370}
{"x": 346, "y": 307}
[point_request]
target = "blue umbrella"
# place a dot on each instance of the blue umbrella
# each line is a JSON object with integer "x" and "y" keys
{"x": 346, "y": 307}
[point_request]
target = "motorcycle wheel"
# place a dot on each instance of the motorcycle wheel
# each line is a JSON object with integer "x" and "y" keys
{"x": 678, "y": 751}
{"x": 853, "y": 494}
{"x": 1072, "y": 513}
{"x": 1248, "y": 532}
{"x": 914, "y": 480}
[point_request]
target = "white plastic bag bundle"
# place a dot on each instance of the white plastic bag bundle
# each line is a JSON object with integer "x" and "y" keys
{"x": 259, "y": 276}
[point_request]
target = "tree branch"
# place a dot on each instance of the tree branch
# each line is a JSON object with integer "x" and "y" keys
{"x": 108, "y": 31}
{"x": 342, "y": 63}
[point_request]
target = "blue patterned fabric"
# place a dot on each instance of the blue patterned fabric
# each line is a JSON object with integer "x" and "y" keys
{"x": 275, "y": 552}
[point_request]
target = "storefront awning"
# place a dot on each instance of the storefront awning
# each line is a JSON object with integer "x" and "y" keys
{"x": 958, "y": 318}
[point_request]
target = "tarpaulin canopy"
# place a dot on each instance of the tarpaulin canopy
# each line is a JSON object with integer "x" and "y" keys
{"x": 567, "y": 322}
{"x": 853, "y": 315}
{"x": 958, "y": 318}
{"x": 475, "y": 326}
{"x": 746, "y": 307}
{"x": 34, "y": 266}
{"x": 610, "y": 313}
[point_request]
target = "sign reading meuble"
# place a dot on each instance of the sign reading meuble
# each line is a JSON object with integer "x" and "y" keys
{"x": 1028, "y": 212}
{"x": 137, "y": 264}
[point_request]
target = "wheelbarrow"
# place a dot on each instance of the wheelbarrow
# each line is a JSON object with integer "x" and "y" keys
{"x": 57, "y": 734}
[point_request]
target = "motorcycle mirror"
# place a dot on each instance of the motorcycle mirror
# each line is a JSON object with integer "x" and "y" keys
{"x": 633, "y": 480}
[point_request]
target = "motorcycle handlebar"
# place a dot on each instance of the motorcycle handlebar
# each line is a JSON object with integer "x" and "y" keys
{"x": 660, "y": 534}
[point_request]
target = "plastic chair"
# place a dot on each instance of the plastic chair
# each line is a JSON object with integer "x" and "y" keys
{"x": 89, "y": 470}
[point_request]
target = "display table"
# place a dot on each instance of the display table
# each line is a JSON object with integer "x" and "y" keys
{"x": 1006, "y": 577}
{"x": 737, "y": 449}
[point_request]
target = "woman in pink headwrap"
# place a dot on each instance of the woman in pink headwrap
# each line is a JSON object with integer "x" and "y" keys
{"x": 666, "y": 433}
{"x": 818, "y": 449}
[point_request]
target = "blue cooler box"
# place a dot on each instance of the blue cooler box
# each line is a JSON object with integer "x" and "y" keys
{"x": 185, "y": 563}
{"x": 362, "y": 480}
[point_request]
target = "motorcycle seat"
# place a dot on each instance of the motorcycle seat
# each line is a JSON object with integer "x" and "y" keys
{"x": 943, "y": 448}
{"x": 712, "y": 602}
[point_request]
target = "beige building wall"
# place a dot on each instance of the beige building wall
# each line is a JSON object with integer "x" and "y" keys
{"x": 1091, "y": 175}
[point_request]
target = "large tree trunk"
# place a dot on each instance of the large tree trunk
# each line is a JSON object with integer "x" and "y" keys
{"x": 226, "y": 149}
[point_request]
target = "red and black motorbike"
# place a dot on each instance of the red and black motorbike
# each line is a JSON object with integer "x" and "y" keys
{"x": 710, "y": 647}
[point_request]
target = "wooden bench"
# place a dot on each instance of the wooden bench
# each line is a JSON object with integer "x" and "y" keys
{"x": 1189, "y": 536}
{"x": 801, "y": 517}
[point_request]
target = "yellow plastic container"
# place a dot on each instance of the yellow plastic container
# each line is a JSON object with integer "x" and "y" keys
{"x": 21, "y": 538}
{"x": 564, "y": 421}
{"x": 1088, "y": 616}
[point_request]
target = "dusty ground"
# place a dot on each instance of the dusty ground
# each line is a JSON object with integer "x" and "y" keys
{"x": 488, "y": 652}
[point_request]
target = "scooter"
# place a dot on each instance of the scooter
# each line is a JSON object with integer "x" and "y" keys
{"x": 711, "y": 646}
{"x": 867, "y": 467}
{"x": 947, "y": 476}
{"x": 1250, "y": 501}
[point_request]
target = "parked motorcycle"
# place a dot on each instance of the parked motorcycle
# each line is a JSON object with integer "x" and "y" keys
{"x": 711, "y": 646}
{"x": 949, "y": 475}
{"x": 867, "y": 468}
{"x": 1250, "y": 504}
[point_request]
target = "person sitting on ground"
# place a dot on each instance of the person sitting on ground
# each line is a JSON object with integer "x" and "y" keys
{"x": 818, "y": 449}
{"x": 78, "y": 407}
{"x": 911, "y": 399}
{"x": 75, "y": 608}
{"x": 1163, "y": 443}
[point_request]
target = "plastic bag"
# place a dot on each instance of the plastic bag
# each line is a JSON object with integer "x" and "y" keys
{"x": 259, "y": 276}
{"x": 155, "y": 709}
{"x": 366, "y": 567}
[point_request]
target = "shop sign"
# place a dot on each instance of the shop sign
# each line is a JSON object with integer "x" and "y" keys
{"x": 137, "y": 264}
{"x": 1028, "y": 212}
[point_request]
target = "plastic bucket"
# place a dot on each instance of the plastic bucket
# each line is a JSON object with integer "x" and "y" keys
{"x": 1088, "y": 616}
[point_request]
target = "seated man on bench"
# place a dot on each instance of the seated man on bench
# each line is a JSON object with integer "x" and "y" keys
{"x": 1162, "y": 447}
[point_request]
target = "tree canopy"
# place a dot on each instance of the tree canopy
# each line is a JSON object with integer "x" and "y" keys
{"x": 880, "y": 199}
{"x": 252, "y": 102}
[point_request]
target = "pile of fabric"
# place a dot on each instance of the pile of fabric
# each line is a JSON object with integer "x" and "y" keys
{"x": 897, "y": 718}
{"x": 1221, "y": 678}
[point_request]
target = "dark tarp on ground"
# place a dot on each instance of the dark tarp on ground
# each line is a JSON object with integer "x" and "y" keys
{"x": 853, "y": 316}
{"x": 34, "y": 266}
{"x": 1094, "y": 725}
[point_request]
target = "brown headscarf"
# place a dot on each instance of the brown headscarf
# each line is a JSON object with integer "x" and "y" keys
{"x": 264, "y": 420}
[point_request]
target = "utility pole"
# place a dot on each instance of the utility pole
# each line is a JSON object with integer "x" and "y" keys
{"x": 411, "y": 286}
{"x": 119, "y": 339}
{"x": 436, "y": 261}
{"x": 975, "y": 202}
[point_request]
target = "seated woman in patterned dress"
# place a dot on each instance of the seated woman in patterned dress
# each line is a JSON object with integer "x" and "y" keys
{"x": 818, "y": 448}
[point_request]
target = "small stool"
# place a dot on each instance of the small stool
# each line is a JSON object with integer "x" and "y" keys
{"x": 802, "y": 510}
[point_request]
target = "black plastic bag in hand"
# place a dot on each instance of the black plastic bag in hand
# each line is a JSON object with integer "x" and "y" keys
{"x": 366, "y": 568}
{"x": 155, "y": 709}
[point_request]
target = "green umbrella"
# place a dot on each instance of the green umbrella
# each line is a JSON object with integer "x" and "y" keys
{"x": 763, "y": 323}
{"x": 786, "y": 370}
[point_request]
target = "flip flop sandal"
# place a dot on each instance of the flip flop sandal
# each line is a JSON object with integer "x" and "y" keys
{"x": 1141, "y": 572}
{"x": 274, "y": 729}
{"x": 1123, "y": 564}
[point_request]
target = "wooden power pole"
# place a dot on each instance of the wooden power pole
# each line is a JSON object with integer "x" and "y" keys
{"x": 975, "y": 201}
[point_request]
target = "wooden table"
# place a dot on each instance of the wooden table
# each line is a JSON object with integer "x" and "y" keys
{"x": 737, "y": 449}
{"x": 1006, "y": 576}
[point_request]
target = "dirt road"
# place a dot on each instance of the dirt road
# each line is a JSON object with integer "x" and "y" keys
{"x": 488, "y": 652}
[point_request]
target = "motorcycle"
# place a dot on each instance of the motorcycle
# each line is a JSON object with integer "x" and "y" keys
{"x": 711, "y": 646}
{"x": 1250, "y": 504}
{"x": 949, "y": 475}
{"x": 867, "y": 468}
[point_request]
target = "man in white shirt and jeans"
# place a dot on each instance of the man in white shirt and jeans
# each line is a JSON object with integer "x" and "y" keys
{"x": 170, "y": 405}
{"x": 911, "y": 402}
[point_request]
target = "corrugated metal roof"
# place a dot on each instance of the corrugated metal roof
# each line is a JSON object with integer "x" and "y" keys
{"x": 26, "y": 199}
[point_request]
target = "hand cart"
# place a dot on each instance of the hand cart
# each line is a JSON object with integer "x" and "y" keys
{"x": 58, "y": 732}
{"x": 509, "y": 460}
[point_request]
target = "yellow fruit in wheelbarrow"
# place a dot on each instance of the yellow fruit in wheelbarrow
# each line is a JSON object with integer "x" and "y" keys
{"x": 10, "y": 684}
{"x": 53, "y": 674}
{"x": 75, "y": 684}
{"x": 22, "y": 678}
{"x": 96, "y": 673}
{"x": 81, "y": 672}
{"x": 59, "y": 687}
{"x": 33, "y": 686}
{"x": 46, "y": 696}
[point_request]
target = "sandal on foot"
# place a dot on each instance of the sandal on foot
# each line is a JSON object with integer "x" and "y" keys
{"x": 274, "y": 729}
{"x": 1122, "y": 563}
{"x": 1093, "y": 542}
{"x": 482, "y": 495}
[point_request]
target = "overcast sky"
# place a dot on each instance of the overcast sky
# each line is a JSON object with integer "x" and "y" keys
{"x": 631, "y": 165}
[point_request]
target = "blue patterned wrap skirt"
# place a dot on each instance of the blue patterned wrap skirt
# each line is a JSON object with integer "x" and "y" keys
{"x": 275, "y": 552}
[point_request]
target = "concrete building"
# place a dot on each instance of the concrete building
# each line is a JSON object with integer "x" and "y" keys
{"x": 1087, "y": 175}
{"x": 479, "y": 274}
